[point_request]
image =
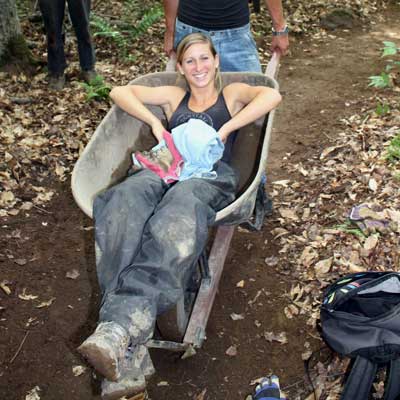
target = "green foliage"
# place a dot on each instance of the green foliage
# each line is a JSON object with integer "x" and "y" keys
{"x": 348, "y": 227}
{"x": 393, "y": 151}
{"x": 149, "y": 18}
{"x": 385, "y": 79}
{"x": 382, "y": 109}
{"x": 390, "y": 49}
{"x": 380, "y": 81}
{"x": 97, "y": 89}
{"x": 102, "y": 28}
{"x": 123, "y": 33}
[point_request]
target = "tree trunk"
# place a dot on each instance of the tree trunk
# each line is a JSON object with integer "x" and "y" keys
{"x": 13, "y": 48}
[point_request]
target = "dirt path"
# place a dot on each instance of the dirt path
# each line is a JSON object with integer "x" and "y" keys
{"x": 322, "y": 81}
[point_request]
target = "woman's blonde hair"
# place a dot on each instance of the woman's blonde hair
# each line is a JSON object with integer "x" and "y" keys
{"x": 195, "y": 38}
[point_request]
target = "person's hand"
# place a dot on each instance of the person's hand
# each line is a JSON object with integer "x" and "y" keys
{"x": 169, "y": 42}
{"x": 280, "y": 43}
{"x": 158, "y": 130}
{"x": 223, "y": 134}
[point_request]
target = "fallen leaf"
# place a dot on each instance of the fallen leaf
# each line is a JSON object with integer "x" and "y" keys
{"x": 231, "y": 351}
{"x": 6, "y": 197}
{"x": 290, "y": 311}
{"x": 163, "y": 383}
{"x": 240, "y": 284}
{"x": 284, "y": 182}
{"x": 73, "y": 274}
{"x": 20, "y": 261}
{"x": 328, "y": 151}
{"x": 78, "y": 370}
{"x": 371, "y": 242}
{"x": 237, "y": 317}
{"x": 33, "y": 394}
{"x": 255, "y": 297}
{"x": 201, "y": 395}
{"x": 272, "y": 261}
{"x": 278, "y": 232}
{"x": 25, "y": 296}
{"x": 288, "y": 213}
{"x": 308, "y": 256}
{"x": 4, "y": 286}
{"x": 303, "y": 171}
{"x": 306, "y": 355}
{"x": 323, "y": 266}
{"x": 272, "y": 337}
{"x": 373, "y": 185}
{"x": 46, "y": 303}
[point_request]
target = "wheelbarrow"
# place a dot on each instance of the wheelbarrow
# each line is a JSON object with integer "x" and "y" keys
{"x": 107, "y": 158}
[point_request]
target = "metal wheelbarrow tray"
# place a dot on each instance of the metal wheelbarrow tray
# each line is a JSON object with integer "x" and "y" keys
{"x": 107, "y": 158}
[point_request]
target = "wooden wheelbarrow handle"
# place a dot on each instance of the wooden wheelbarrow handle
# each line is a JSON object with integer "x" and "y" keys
{"x": 273, "y": 66}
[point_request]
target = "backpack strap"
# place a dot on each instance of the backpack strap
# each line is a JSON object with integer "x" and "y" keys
{"x": 359, "y": 382}
{"x": 392, "y": 385}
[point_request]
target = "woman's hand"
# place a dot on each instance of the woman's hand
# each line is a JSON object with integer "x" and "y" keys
{"x": 158, "y": 130}
{"x": 223, "y": 134}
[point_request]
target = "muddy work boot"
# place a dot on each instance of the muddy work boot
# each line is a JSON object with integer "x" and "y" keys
{"x": 106, "y": 348}
{"x": 135, "y": 368}
{"x": 89, "y": 75}
{"x": 56, "y": 82}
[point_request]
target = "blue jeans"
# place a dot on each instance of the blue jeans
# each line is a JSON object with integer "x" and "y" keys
{"x": 53, "y": 17}
{"x": 236, "y": 47}
{"x": 149, "y": 236}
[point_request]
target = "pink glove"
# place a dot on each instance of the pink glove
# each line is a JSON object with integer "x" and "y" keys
{"x": 165, "y": 161}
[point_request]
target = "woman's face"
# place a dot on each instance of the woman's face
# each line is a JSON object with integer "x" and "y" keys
{"x": 199, "y": 65}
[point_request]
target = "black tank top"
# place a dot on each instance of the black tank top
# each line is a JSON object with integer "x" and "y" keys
{"x": 214, "y": 15}
{"x": 215, "y": 116}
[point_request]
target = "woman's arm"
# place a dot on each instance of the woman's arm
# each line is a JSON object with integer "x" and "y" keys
{"x": 170, "y": 12}
{"x": 246, "y": 104}
{"x": 132, "y": 99}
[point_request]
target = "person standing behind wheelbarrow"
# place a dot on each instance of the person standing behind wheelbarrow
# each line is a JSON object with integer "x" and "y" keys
{"x": 149, "y": 234}
{"x": 53, "y": 17}
{"x": 228, "y": 24}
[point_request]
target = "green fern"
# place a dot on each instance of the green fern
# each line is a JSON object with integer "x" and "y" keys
{"x": 150, "y": 17}
{"x": 385, "y": 79}
{"x": 97, "y": 89}
{"x": 124, "y": 34}
{"x": 102, "y": 28}
{"x": 348, "y": 227}
{"x": 393, "y": 151}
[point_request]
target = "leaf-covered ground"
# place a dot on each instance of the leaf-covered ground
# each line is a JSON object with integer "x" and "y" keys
{"x": 43, "y": 132}
{"x": 333, "y": 149}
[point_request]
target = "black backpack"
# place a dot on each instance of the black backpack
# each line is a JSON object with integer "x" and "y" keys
{"x": 360, "y": 318}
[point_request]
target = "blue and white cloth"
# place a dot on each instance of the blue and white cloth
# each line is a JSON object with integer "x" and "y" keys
{"x": 200, "y": 147}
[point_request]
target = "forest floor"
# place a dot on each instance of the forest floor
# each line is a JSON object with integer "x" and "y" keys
{"x": 325, "y": 156}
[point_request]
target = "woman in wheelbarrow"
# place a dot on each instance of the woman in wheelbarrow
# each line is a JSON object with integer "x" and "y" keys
{"x": 152, "y": 227}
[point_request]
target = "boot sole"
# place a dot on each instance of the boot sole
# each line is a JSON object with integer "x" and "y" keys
{"x": 100, "y": 361}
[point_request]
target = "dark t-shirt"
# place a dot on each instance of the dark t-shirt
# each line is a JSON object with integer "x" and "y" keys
{"x": 215, "y": 116}
{"x": 213, "y": 15}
